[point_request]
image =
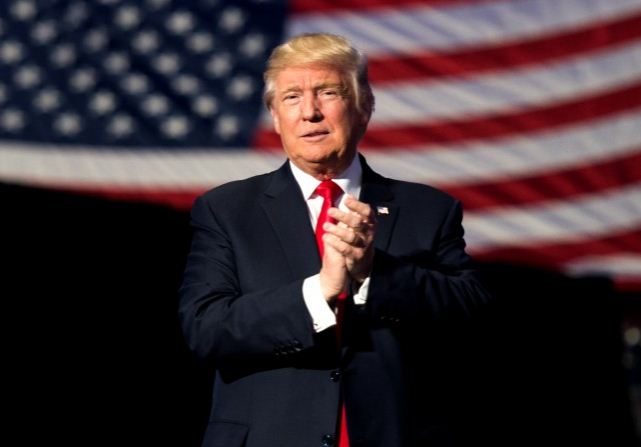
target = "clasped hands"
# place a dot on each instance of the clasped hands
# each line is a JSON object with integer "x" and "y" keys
{"x": 349, "y": 248}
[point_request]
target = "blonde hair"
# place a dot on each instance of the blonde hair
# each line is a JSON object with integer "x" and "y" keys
{"x": 324, "y": 50}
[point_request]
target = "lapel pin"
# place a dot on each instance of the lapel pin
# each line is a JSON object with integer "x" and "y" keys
{"x": 380, "y": 210}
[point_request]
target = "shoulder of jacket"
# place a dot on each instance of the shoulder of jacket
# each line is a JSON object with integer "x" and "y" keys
{"x": 237, "y": 188}
{"x": 402, "y": 188}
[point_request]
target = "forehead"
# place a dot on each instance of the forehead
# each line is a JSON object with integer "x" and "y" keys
{"x": 307, "y": 76}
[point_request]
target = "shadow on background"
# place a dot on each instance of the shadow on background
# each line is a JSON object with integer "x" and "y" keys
{"x": 96, "y": 357}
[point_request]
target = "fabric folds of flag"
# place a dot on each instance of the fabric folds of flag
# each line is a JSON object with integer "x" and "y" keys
{"x": 527, "y": 111}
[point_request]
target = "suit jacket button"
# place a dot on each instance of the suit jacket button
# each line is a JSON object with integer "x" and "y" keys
{"x": 328, "y": 440}
{"x": 335, "y": 376}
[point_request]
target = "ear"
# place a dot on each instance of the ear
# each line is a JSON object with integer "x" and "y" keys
{"x": 364, "y": 119}
{"x": 275, "y": 120}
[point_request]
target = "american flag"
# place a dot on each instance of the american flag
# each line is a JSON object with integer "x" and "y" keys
{"x": 529, "y": 111}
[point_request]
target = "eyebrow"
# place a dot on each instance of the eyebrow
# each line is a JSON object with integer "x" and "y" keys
{"x": 330, "y": 85}
{"x": 290, "y": 90}
{"x": 336, "y": 85}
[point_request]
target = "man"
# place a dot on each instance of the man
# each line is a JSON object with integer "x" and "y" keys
{"x": 305, "y": 346}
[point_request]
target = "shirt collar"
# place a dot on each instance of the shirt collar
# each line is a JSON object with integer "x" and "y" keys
{"x": 349, "y": 180}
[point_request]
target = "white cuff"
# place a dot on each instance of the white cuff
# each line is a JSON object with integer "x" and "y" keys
{"x": 322, "y": 314}
{"x": 360, "y": 295}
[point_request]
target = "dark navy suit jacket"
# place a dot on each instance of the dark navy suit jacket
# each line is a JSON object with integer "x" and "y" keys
{"x": 278, "y": 382}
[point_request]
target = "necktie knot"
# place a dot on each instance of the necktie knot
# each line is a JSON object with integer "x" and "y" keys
{"x": 329, "y": 190}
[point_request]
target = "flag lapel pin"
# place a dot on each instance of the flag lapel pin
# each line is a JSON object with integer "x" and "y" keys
{"x": 382, "y": 210}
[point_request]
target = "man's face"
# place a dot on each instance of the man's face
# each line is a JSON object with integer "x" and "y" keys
{"x": 316, "y": 120}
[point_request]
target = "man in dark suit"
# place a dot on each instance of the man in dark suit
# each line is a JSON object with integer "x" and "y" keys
{"x": 308, "y": 333}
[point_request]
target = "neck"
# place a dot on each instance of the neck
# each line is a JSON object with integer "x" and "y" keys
{"x": 325, "y": 171}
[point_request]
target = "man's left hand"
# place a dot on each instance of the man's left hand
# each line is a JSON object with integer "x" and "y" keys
{"x": 353, "y": 237}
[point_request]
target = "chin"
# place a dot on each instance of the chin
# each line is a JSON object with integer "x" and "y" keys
{"x": 320, "y": 155}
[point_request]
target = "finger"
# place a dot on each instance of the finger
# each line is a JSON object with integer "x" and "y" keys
{"x": 364, "y": 229}
{"x": 349, "y": 218}
{"x": 332, "y": 257}
{"x": 346, "y": 234}
{"x": 358, "y": 207}
{"x": 337, "y": 244}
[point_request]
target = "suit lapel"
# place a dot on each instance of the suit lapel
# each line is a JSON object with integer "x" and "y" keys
{"x": 376, "y": 192}
{"x": 287, "y": 212}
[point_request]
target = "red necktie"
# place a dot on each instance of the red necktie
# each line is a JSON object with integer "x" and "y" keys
{"x": 330, "y": 192}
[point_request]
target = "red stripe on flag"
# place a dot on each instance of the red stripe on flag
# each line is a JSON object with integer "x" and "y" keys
{"x": 181, "y": 200}
{"x": 558, "y": 254}
{"x": 266, "y": 139}
{"x": 329, "y": 6}
{"x": 627, "y": 284}
{"x": 501, "y": 57}
{"x": 558, "y": 185}
{"x": 491, "y": 126}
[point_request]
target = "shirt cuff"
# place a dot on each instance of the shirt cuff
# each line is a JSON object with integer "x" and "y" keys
{"x": 360, "y": 295}
{"x": 322, "y": 314}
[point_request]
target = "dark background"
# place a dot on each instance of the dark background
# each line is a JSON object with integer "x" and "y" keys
{"x": 94, "y": 354}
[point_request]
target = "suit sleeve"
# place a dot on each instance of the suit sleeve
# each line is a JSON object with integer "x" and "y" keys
{"x": 435, "y": 284}
{"x": 220, "y": 322}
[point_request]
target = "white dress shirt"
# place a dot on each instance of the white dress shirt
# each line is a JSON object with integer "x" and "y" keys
{"x": 322, "y": 314}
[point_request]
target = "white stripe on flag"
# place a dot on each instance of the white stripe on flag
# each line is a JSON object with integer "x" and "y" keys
{"x": 583, "y": 218}
{"x": 149, "y": 168}
{"x": 622, "y": 265}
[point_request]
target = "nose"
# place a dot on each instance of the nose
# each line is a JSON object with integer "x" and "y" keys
{"x": 310, "y": 108}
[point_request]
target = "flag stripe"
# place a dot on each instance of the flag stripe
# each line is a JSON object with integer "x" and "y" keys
{"x": 543, "y": 49}
{"x": 315, "y": 6}
{"x": 177, "y": 199}
{"x": 626, "y": 284}
{"x": 617, "y": 256}
{"x": 588, "y": 216}
{"x": 626, "y": 264}
{"x": 564, "y": 184}
{"x": 441, "y": 27}
{"x": 571, "y": 256}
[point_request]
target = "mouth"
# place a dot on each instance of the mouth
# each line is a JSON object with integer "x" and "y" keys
{"x": 315, "y": 135}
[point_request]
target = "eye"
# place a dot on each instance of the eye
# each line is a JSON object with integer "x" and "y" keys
{"x": 329, "y": 92}
{"x": 291, "y": 98}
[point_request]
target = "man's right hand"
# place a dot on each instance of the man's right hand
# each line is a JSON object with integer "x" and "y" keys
{"x": 333, "y": 274}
